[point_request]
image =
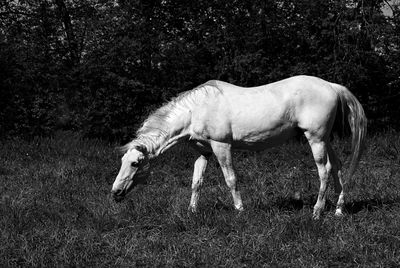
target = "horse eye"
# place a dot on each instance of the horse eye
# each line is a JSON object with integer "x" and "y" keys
{"x": 134, "y": 164}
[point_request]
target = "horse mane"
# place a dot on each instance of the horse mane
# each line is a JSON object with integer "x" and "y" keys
{"x": 156, "y": 126}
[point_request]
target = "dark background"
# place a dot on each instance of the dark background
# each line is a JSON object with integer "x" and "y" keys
{"x": 99, "y": 67}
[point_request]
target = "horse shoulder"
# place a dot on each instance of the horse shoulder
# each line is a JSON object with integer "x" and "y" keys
{"x": 210, "y": 119}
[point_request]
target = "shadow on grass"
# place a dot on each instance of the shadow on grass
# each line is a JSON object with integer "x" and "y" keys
{"x": 221, "y": 205}
{"x": 283, "y": 204}
{"x": 4, "y": 171}
{"x": 371, "y": 204}
{"x": 292, "y": 204}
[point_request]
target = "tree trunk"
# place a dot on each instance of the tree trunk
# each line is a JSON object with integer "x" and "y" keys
{"x": 71, "y": 38}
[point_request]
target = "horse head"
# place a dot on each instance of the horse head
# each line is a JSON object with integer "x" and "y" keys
{"x": 135, "y": 169}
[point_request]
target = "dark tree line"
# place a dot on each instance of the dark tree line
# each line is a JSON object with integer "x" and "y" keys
{"x": 99, "y": 66}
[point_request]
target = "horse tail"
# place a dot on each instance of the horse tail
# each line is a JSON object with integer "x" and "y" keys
{"x": 351, "y": 108}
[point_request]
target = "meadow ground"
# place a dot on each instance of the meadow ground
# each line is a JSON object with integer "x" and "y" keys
{"x": 55, "y": 209}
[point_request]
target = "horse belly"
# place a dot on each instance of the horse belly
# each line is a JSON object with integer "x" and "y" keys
{"x": 263, "y": 122}
{"x": 261, "y": 139}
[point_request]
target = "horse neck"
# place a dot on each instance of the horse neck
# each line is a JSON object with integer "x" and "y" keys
{"x": 174, "y": 131}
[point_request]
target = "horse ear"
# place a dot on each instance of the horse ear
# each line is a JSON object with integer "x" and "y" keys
{"x": 142, "y": 149}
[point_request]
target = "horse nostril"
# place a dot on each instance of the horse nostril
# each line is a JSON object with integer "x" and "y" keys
{"x": 117, "y": 192}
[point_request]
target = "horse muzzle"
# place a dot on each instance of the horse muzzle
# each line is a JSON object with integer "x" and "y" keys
{"x": 118, "y": 195}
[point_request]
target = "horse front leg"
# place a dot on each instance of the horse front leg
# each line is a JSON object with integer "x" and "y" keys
{"x": 198, "y": 174}
{"x": 224, "y": 156}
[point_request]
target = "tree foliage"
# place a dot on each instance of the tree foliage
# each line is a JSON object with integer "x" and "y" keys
{"x": 99, "y": 66}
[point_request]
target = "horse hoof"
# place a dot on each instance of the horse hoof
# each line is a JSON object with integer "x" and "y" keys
{"x": 316, "y": 216}
{"x": 239, "y": 208}
{"x": 339, "y": 213}
{"x": 192, "y": 210}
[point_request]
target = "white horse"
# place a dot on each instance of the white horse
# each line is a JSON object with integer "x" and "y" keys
{"x": 217, "y": 117}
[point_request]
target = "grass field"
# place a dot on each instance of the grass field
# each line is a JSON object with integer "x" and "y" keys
{"x": 55, "y": 209}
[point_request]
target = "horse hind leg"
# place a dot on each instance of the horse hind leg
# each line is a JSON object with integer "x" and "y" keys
{"x": 338, "y": 180}
{"x": 321, "y": 158}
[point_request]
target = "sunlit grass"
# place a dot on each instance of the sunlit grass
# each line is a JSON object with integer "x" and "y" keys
{"x": 55, "y": 209}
